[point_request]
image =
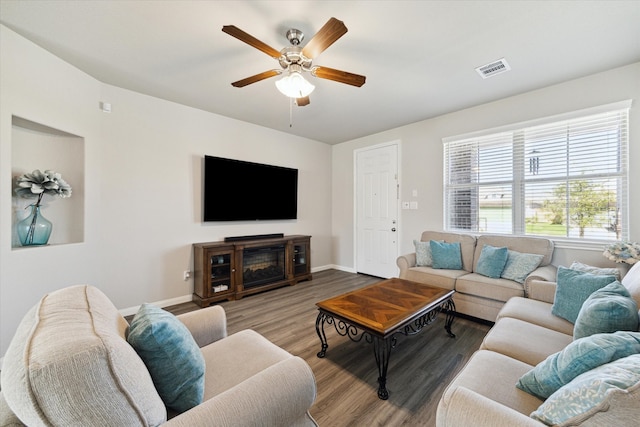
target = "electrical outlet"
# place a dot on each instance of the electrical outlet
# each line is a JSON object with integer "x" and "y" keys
{"x": 187, "y": 275}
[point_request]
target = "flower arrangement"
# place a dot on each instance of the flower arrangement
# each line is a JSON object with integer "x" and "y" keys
{"x": 623, "y": 252}
{"x": 35, "y": 229}
{"x": 37, "y": 184}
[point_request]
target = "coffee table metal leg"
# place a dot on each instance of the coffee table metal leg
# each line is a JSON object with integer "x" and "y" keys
{"x": 382, "y": 351}
{"x": 451, "y": 310}
{"x": 320, "y": 321}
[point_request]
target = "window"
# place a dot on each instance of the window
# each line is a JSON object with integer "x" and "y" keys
{"x": 564, "y": 178}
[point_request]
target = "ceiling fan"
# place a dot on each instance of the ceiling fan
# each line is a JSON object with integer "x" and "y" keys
{"x": 295, "y": 60}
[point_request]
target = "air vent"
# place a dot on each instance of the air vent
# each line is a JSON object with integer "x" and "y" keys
{"x": 493, "y": 68}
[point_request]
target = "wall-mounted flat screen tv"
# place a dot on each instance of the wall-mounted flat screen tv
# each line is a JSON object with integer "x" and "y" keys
{"x": 236, "y": 190}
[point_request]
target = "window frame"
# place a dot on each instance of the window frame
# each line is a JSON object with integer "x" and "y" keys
{"x": 517, "y": 179}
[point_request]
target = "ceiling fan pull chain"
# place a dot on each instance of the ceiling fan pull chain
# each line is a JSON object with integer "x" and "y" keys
{"x": 290, "y": 112}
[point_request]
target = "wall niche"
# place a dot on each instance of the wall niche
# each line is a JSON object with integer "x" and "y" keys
{"x": 37, "y": 146}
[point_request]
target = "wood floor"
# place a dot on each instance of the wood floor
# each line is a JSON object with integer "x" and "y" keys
{"x": 420, "y": 366}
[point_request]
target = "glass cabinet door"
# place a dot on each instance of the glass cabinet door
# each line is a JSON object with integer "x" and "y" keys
{"x": 220, "y": 273}
{"x": 300, "y": 263}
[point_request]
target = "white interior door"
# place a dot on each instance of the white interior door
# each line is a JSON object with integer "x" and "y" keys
{"x": 377, "y": 211}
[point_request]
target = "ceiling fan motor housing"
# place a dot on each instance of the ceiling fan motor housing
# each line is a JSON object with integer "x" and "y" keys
{"x": 293, "y": 55}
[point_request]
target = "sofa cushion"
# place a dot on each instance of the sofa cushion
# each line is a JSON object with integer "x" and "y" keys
{"x": 524, "y": 244}
{"x": 507, "y": 334}
{"x": 591, "y": 393}
{"x": 239, "y": 349}
{"x": 446, "y": 255}
{"x": 612, "y": 271}
{"x": 486, "y": 287}
{"x": 423, "y": 254}
{"x": 481, "y": 376}
{"x": 171, "y": 355}
{"x": 580, "y": 356}
{"x": 467, "y": 244}
{"x": 519, "y": 265}
{"x": 573, "y": 288}
{"x": 535, "y": 312}
{"x": 609, "y": 309}
{"x": 492, "y": 261}
{"x": 69, "y": 364}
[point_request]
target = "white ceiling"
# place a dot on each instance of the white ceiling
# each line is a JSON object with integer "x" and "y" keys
{"x": 419, "y": 56}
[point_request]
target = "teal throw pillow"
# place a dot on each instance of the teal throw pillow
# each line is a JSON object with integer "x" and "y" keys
{"x": 573, "y": 288}
{"x": 492, "y": 261}
{"x": 446, "y": 255}
{"x": 520, "y": 265}
{"x": 171, "y": 355}
{"x": 590, "y": 393}
{"x": 423, "y": 253}
{"x": 580, "y": 356}
{"x": 609, "y": 309}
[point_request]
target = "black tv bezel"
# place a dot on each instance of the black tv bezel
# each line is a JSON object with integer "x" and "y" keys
{"x": 280, "y": 209}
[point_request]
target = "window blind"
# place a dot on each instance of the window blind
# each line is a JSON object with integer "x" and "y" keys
{"x": 564, "y": 178}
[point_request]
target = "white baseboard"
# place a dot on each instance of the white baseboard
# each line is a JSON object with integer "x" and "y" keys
{"x": 164, "y": 303}
{"x": 338, "y": 267}
{"x": 186, "y": 298}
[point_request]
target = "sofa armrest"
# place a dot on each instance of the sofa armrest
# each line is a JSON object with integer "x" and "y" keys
{"x": 542, "y": 290}
{"x": 468, "y": 408}
{"x": 280, "y": 395}
{"x": 207, "y": 325}
{"x": 406, "y": 261}
{"x": 545, "y": 273}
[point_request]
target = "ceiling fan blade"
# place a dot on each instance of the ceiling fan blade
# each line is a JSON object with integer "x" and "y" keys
{"x": 338, "y": 76}
{"x": 301, "y": 102}
{"x": 256, "y": 78}
{"x": 325, "y": 37}
{"x": 236, "y": 32}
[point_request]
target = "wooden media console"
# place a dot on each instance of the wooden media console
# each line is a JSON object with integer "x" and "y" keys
{"x": 232, "y": 269}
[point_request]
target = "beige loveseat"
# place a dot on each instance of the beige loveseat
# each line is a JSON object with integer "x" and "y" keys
{"x": 526, "y": 332}
{"x": 69, "y": 364}
{"x": 477, "y": 295}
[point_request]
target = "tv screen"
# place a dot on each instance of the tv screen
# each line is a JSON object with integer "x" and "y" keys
{"x": 236, "y": 190}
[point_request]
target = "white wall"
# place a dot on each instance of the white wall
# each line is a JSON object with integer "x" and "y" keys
{"x": 421, "y": 154}
{"x": 142, "y": 185}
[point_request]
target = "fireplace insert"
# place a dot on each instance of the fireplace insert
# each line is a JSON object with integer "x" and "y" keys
{"x": 263, "y": 265}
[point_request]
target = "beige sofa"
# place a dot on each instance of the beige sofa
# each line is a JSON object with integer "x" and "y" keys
{"x": 477, "y": 295}
{"x": 69, "y": 364}
{"x": 526, "y": 332}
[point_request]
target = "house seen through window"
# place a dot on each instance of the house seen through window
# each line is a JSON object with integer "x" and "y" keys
{"x": 564, "y": 178}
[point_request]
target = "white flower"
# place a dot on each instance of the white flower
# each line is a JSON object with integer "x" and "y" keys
{"x": 36, "y": 184}
{"x": 623, "y": 252}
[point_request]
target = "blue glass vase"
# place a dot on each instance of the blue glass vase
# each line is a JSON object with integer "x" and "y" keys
{"x": 35, "y": 229}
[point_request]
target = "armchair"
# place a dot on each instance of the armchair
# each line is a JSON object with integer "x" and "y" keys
{"x": 69, "y": 363}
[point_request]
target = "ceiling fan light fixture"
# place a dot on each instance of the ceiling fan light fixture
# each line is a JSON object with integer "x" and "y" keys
{"x": 294, "y": 85}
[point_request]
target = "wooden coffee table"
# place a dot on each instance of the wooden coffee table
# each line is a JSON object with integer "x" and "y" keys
{"x": 378, "y": 312}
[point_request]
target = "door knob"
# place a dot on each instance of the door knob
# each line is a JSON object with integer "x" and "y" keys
{"x": 393, "y": 229}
